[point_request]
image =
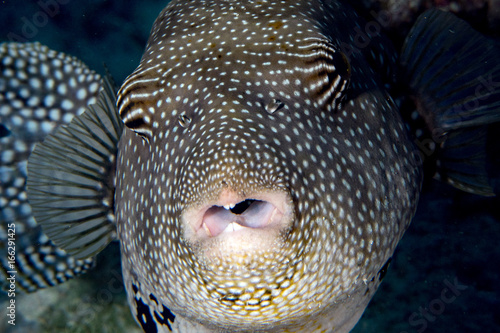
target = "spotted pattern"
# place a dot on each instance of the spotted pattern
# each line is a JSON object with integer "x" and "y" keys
{"x": 39, "y": 90}
{"x": 259, "y": 96}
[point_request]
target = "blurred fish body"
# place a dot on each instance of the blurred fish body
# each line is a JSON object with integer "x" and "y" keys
{"x": 39, "y": 90}
{"x": 258, "y": 175}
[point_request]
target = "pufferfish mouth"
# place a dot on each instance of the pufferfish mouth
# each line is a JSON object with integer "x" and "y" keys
{"x": 249, "y": 213}
{"x": 239, "y": 220}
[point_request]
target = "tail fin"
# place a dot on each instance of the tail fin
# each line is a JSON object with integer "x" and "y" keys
{"x": 454, "y": 74}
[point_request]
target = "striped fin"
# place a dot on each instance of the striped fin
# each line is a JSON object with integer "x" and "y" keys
{"x": 460, "y": 157}
{"x": 454, "y": 73}
{"x": 454, "y": 70}
{"x": 71, "y": 179}
{"x": 24, "y": 249}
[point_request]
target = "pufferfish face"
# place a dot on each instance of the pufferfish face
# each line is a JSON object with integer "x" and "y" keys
{"x": 258, "y": 179}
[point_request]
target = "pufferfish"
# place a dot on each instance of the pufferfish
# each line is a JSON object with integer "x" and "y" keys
{"x": 39, "y": 90}
{"x": 255, "y": 167}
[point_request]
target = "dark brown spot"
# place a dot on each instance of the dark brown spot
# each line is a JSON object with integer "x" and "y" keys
{"x": 276, "y": 25}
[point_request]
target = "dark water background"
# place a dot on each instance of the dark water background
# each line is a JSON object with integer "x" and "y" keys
{"x": 454, "y": 238}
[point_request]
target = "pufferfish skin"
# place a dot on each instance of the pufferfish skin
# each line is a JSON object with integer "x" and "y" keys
{"x": 254, "y": 167}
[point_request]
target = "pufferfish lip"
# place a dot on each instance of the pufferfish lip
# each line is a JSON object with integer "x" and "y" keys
{"x": 234, "y": 217}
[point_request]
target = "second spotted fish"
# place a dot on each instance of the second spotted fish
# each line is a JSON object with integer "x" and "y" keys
{"x": 256, "y": 167}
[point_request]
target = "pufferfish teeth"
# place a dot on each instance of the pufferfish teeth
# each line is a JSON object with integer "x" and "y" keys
{"x": 207, "y": 229}
{"x": 233, "y": 227}
{"x": 229, "y": 206}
